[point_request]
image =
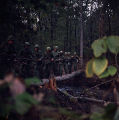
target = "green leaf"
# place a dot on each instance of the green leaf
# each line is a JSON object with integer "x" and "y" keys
{"x": 112, "y": 70}
{"x": 89, "y": 70}
{"x": 104, "y": 75}
{"x": 99, "y": 65}
{"x": 23, "y": 103}
{"x": 116, "y": 117}
{"x": 113, "y": 44}
{"x": 110, "y": 112}
{"x": 96, "y": 116}
{"x": 31, "y": 81}
{"x": 99, "y": 47}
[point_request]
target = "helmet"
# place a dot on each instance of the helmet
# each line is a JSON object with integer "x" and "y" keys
{"x": 65, "y": 53}
{"x": 55, "y": 47}
{"x": 27, "y": 43}
{"x": 36, "y": 46}
{"x": 48, "y": 48}
{"x": 74, "y": 53}
{"x": 61, "y": 52}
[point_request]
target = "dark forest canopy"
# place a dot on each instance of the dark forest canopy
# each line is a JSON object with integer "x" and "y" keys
{"x": 57, "y": 22}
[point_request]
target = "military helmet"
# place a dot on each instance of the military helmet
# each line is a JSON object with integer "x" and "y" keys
{"x": 65, "y": 53}
{"x": 68, "y": 53}
{"x": 55, "y": 47}
{"x": 27, "y": 43}
{"x": 61, "y": 52}
{"x": 74, "y": 53}
{"x": 36, "y": 46}
{"x": 48, "y": 48}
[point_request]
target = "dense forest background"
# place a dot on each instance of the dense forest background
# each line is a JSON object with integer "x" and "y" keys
{"x": 70, "y": 24}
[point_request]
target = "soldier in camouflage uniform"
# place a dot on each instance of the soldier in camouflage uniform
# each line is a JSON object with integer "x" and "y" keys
{"x": 56, "y": 62}
{"x": 26, "y": 57}
{"x": 76, "y": 61}
{"x": 38, "y": 61}
{"x": 66, "y": 62}
{"x": 7, "y": 56}
{"x": 69, "y": 62}
{"x": 48, "y": 63}
{"x": 61, "y": 63}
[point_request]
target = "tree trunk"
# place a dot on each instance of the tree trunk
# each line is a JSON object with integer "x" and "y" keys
{"x": 52, "y": 39}
{"x": 81, "y": 37}
{"x": 67, "y": 39}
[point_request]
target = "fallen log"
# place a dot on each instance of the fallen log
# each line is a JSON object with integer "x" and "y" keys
{"x": 63, "y": 77}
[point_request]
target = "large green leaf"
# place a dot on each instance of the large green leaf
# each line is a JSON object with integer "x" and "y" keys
{"x": 104, "y": 75}
{"x": 31, "y": 81}
{"x": 89, "y": 70}
{"x": 23, "y": 103}
{"x": 112, "y": 70}
{"x": 113, "y": 44}
{"x": 100, "y": 65}
{"x": 99, "y": 47}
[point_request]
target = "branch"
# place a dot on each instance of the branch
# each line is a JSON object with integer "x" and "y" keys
{"x": 83, "y": 98}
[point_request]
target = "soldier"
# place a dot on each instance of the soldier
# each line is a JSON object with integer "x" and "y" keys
{"x": 76, "y": 61}
{"x": 56, "y": 62}
{"x": 26, "y": 59}
{"x": 61, "y": 63}
{"x": 8, "y": 55}
{"x": 38, "y": 61}
{"x": 66, "y": 62}
{"x": 48, "y": 63}
{"x": 69, "y": 62}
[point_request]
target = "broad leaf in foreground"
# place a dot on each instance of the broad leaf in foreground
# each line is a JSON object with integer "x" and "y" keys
{"x": 89, "y": 70}
{"x": 100, "y": 65}
{"x": 99, "y": 47}
{"x": 113, "y": 44}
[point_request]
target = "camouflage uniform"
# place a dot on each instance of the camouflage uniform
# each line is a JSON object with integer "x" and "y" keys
{"x": 8, "y": 54}
{"x": 48, "y": 63}
{"x": 38, "y": 62}
{"x": 61, "y": 63}
{"x": 75, "y": 61}
{"x": 66, "y": 62}
{"x": 69, "y": 63}
{"x": 26, "y": 57}
{"x": 56, "y": 62}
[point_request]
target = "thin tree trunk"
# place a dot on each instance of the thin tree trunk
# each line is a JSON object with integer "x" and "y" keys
{"x": 70, "y": 40}
{"x": 75, "y": 36}
{"x": 52, "y": 39}
{"x": 67, "y": 26}
{"x": 81, "y": 37}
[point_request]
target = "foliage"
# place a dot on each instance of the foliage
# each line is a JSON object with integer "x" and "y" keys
{"x": 89, "y": 69}
{"x": 30, "y": 81}
{"x": 23, "y": 103}
{"x": 20, "y": 103}
{"x": 99, "y": 47}
{"x": 113, "y": 44}
{"x": 108, "y": 113}
{"x": 99, "y": 64}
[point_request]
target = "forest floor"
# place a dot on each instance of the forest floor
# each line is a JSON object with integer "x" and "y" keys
{"x": 59, "y": 106}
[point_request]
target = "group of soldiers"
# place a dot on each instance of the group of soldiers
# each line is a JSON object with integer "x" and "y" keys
{"x": 30, "y": 63}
